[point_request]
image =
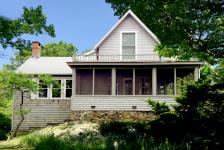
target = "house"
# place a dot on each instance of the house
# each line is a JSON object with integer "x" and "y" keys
{"x": 118, "y": 75}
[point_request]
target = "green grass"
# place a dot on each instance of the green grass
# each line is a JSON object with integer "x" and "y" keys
{"x": 87, "y": 140}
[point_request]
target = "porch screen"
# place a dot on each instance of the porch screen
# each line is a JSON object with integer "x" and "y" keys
{"x": 165, "y": 81}
{"x": 143, "y": 81}
{"x": 102, "y": 82}
{"x": 184, "y": 74}
{"x": 124, "y": 79}
{"x": 84, "y": 81}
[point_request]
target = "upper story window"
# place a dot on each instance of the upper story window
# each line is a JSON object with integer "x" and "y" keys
{"x": 128, "y": 45}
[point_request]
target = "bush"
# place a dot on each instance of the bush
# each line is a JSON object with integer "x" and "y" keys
{"x": 5, "y": 126}
{"x": 198, "y": 117}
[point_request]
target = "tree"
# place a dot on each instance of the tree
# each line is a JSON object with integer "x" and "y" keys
{"x": 32, "y": 22}
{"x": 185, "y": 28}
{"x": 57, "y": 49}
{"x": 10, "y": 81}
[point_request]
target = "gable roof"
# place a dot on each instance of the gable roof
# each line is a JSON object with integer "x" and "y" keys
{"x": 46, "y": 65}
{"x": 129, "y": 12}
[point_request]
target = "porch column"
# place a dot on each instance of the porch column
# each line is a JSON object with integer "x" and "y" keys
{"x": 196, "y": 73}
{"x": 93, "y": 86}
{"x": 73, "y": 81}
{"x": 175, "y": 81}
{"x": 113, "y": 84}
{"x": 154, "y": 80}
{"x": 133, "y": 82}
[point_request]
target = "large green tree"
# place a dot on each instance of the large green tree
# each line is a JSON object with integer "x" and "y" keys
{"x": 190, "y": 28}
{"x": 32, "y": 22}
{"x": 57, "y": 49}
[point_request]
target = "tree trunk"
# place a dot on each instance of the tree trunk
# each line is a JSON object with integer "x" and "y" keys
{"x": 22, "y": 116}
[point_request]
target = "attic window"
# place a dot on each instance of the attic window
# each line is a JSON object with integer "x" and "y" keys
{"x": 128, "y": 45}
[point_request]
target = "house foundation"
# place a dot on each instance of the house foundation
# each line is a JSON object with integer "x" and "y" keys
{"x": 96, "y": 116}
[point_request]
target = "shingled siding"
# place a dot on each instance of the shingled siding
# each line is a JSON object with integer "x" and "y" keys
{"x": 41, "y": 112}
{"x": 116, "y": 103}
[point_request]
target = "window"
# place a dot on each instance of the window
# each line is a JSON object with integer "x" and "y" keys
{"x": 128, "y": 45}
{"x": 165, "y": 81}
{"x": 56, "y": 89}
{"x": 102, "y": 82}
{"x": 43, "y": 90}
{"x": 143, "y": 81}
{"x": 124, "y": 79}
{"x": 68, "y": 88}
{"x": 84, "y": 81}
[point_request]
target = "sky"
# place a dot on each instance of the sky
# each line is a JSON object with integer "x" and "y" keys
{"x": 80, "y": 22}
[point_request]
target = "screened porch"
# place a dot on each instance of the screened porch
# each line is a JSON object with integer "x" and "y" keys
{"x": 131, "y": 81}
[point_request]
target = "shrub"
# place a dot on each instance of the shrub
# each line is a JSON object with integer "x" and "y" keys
{"x": 198, "y": 116}
{"x": 5, "y": 126}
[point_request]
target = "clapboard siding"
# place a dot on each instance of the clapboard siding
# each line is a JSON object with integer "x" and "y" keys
{"x": 42, "y": 112}
{"x": 119, "y": 103}
{"x": 111, "y": 45}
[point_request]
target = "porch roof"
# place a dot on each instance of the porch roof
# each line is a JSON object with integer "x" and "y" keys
{"x": 136, "y": 63}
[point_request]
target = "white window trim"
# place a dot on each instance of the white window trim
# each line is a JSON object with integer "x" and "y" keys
{"x": 49, "y": 89}
{"x": 136, "y": 48}
{"x": 48, "y": 92}
{"x": 51, "y": 97}
{"x": 65, "y": 89}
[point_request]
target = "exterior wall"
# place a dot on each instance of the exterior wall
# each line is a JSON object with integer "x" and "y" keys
{"x": 115, "y": 103}
{"x": 41, "y": 112}
{"x": 145, "y": 43}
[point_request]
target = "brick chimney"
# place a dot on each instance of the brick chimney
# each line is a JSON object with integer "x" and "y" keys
{"x": 36, "y": 49}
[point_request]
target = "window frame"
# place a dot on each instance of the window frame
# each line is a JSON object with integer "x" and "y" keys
{"x": 51, "y": 89}
{"x": 66, "y": 89}
{"x": 121, "y": 44}
{"x": 48, "y": 91}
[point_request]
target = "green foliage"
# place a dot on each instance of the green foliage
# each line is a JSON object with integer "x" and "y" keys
{"x": 5, "y": 126}
{"x": 90, "y": 141}
{"x": 57, "y": 49}
{"x": 206, "y": 72}
{"x": 185, "y": 28}
{"x": 32, "y": 22}
{"x": 197, "y": 117}
{"x": 157, "y": 107}
{"x": 218, "y": 72}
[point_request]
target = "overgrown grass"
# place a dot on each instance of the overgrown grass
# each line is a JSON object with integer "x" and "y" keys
{"x": 122, "y": 135}
{"x": 50, "y": 142}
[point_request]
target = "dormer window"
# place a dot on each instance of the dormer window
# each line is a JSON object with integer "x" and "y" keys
{"x": 128, "y": 45}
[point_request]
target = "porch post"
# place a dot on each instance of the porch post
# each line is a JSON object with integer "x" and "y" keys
{"x": 113, "y": 84}
{"x": 93, "y": 86}
{"x": 196, "y": 73}
{"x": 73, "y": 81}
{"x": 175, "y": 81}
{"x": 133, "y": 82}
{"x": 154, "y": 80}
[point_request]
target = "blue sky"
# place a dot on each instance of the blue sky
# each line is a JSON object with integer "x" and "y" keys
{"x": 80, "y": 22}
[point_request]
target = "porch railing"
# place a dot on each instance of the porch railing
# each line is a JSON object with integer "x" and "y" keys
{"x": 116, "y": 58}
